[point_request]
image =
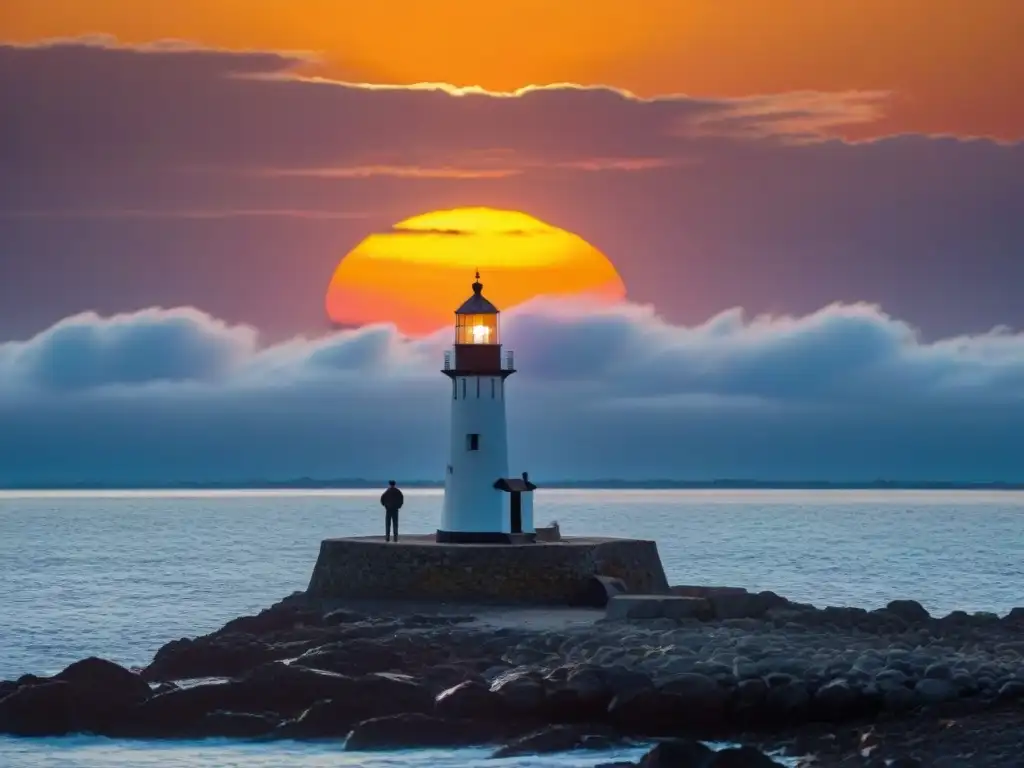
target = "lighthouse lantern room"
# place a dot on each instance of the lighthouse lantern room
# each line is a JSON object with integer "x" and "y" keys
{"x": 481, "y": 503}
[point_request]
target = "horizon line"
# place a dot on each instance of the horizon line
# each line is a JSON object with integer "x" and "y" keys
{"x": 307, "y": 483}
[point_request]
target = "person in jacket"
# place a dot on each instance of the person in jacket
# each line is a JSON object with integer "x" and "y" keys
{"x": 392, "y": 500}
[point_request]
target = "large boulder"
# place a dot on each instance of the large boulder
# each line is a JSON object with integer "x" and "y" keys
{"x": 232, "y": 725}
{"x": 356, "y": 656}
{"x": 701, "y": 697}
{"x": 47, "y": 709}
{"x": 579, "y": 694}
{"x": 646, "y": 607}
{"x": 837, "y": 700}
{"x": 683, "y": 753}
{"x": 741, "y": 757}
{"x": 648, "y": 712}
{"x": 470, "y": 699}
{"x": 932, "y": 691}
{"x": 910, "y": 611}
{"x": 522, "y": 693}
{"x": 677, "y": 753}
{"x": 91, "y": 695}
{"x": 278, "y": 618}
{"x": 113, "y": 679}
{"x": 355, "y": 700}
{"x": 228, "y": 656}
{"x": 787, "y": 699}
{"x": 179, "y": 711}
{"x": 285, "y": 691}
{"x": 418, "y": 731}
{"x": 560, "y": 738}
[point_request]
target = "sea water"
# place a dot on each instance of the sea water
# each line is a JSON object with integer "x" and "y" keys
{"x": 117, "y": 574}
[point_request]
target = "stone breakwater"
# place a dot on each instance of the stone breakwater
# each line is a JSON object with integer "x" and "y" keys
{"x": 752, "y": 668}
{"x": 419, "y": 568}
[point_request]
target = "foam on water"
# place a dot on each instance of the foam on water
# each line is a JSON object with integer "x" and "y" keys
{"x": 87, "y": 752}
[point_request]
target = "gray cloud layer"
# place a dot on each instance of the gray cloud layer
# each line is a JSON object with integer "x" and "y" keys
{"x": 846, "y": 393}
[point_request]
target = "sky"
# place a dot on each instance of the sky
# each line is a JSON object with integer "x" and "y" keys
{"x": 815, "y": 212}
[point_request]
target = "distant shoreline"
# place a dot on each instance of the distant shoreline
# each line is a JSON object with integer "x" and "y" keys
{"x": 600, "y": 484}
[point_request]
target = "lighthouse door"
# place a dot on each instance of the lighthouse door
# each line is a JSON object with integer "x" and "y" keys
{"x": 516, "y": 511}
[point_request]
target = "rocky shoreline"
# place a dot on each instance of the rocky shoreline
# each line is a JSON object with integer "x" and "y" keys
{"x": 831, "y": 686}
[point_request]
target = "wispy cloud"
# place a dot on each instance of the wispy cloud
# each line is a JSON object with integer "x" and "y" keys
{"x": 165, "y": 213}
{"x": 394, "y": 171}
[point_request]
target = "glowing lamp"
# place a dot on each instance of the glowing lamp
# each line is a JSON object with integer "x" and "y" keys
{"x": 481, "y": 333}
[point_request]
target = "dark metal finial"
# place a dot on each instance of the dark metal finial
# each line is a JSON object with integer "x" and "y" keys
{"x": 477, "y": 286}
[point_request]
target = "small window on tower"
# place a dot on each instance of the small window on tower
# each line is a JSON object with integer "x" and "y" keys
{"x": 473, "y": 442}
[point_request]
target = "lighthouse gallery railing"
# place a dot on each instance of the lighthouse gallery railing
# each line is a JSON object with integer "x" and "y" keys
{"x": 509, "y": 361}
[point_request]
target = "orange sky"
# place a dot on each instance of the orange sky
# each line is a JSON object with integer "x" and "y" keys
{"x": 954, "y": 65}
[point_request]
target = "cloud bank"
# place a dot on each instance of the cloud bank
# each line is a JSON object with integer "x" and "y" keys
{"x": 846, "y": 393}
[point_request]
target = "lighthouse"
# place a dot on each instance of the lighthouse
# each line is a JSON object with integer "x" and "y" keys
{"x": 482, "y": 504}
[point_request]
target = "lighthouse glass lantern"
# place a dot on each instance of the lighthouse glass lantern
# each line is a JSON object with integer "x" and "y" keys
{"x": 479, "y": 328}
{"x": 481, "y": 504}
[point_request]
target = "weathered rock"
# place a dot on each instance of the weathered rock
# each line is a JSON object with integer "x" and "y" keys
{"x": 277, "y": 618}
{"x": 622, "y": 680}
{"x": 934, "y": 691}
{"x": 748, "y": 699}
{"x": 329, "y": 718}
{"x": 210, "y": 657}
{"x": 646, "y": 607}
{"x": 740, "y": 757}
{"x": 89, "y": 696}
{"x": 46, "y": 709}
{"x": 699, "y": 695}
{"x": 115, "y": 681}
{"x": 899, "y": 699}
{"x": 412, "y": 731}
{"x": 909, "y": 611}
{"x": 521, "y": 693}
{"x": 788, "y": 701}
{"x": 233, "y": 725}
{"x": 355, "y": 657}
{"x": 648, "y": 712}
{"x": 583, "y": 696}
{"x": 681, "y": 753}
{"x": 837, "y": 701}
{"x": 343, "y": 616}
{"x": 181, "y": 710}
{"x": 1011, "y": 690}
{"x": 470, "y": 699}
{"x": 677, "y": 753}
{"x": 1015, "y": 616}
{"x": 286, "y": 691}
{"x": 560, "y": 738}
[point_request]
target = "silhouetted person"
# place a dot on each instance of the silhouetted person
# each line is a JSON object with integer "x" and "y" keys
{"x": 392, "y": 500}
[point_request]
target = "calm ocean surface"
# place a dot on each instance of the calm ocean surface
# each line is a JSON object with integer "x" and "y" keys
{"x": 119, "y": 574}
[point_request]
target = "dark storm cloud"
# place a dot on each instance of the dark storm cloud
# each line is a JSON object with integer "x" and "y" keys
{"x": 846, "y": 393}
{"x": 137, "y": 177}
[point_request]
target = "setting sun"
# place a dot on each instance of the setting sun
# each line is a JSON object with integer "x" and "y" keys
{"x": 418, "y": 272}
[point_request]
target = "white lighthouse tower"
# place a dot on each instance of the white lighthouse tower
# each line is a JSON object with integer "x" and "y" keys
{"x": 481, "y": 503}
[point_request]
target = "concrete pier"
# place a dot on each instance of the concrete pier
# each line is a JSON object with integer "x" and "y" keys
{"x": 543, "y": 573}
